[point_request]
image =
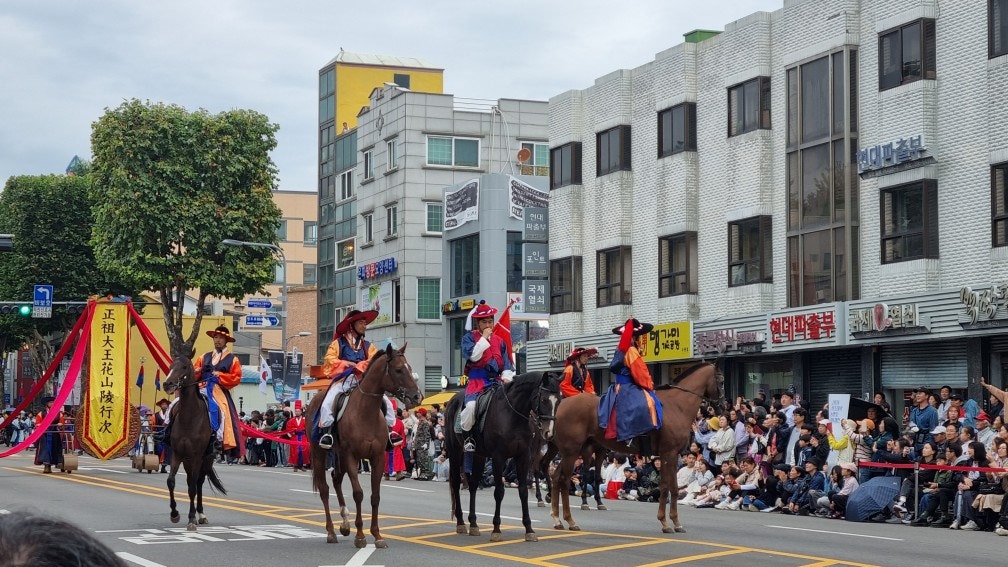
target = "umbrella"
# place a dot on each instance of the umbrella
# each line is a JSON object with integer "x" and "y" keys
{"x": 858, "y": 410}
{"x": 438, "y": 398}
{"x": 872, "y": 497}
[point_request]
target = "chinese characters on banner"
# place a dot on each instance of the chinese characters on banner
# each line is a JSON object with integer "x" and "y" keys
{"x": 670, "y": 341}
{"x": 108, "y": 384}
{"x": 802, "y": 326}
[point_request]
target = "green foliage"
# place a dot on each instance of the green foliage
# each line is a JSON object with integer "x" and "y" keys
{"x": 50, "y": 218}
{"x": 170, "y": 185}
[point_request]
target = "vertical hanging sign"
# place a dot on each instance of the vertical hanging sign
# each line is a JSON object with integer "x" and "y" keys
{"x": 107, "y": 416}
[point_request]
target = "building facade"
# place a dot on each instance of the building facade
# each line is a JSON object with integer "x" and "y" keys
{"x": 811, "y": 196}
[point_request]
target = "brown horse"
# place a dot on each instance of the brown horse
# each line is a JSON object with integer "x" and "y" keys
{"x": 363, "y": 434}
{"x": 191, "y": 441}
{"x": 578, "y": 433}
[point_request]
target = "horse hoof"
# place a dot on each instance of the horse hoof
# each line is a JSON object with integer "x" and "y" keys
{"x": 666, "y": 530}
{"x": 531, "y": 537}
{"x": 460, "y": 529}
{"x": 360, "y": 543}
{"x": 558, "y": 526}
{"x": 331, "y": 538}
{"x": 474, "y": 531}
{"x": 496, "y": 536}
{"x": 680, "y": 530}
{"x": 585, "y": 507}
{"x": 575, "y": 528}
{"x": 175, "y": 518}
{"x": 541, "y": 504}
{"x": 601, "y": 507}
{"x": 344, "y": 529}
{"x": 203, "y": 521}
{"x": 191, "y": 527}
{"x": 380, "y": 544}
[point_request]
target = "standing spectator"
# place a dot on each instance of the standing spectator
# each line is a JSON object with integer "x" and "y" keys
{"x": 160, "y": 423}
{"x": 702, "y": 434}
{"x": 797, "y": 419}
{"x": 50, "y": 445}
{"x": 23, "y": 426}
{"x": 778, "y": 436}
{"x": 843, "y": 446}
{"x": 923, "y": 418}
{"x": 295, "y": 429}
{"x": 945, "y": 401}
{"x": 722, "y": 444}
{"x": 997, "y": 398}
{"x": 423, "y": 447}
{"x": 984, "y": 433}
{"x": 736, "y": 421}
{"x": 649, "y": 481}
{"x": 396, "y": 465}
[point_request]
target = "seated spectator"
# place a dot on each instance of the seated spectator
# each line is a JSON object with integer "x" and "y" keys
{"x": 628, "y": 491}
{"x": 732, "y": 500}
{"x": 838, "y": 500}
{"x": 963, "y": 514}
{"x": 925, "y": 476}
{"x": 441, "y": 467}
{"x": 715, "y": 493}
{"x": 989, "y": 504}
{"x": 749, "y": 480}
{"x": 702, "y": 480}
{"x": 834, "y": 481}
{"x": 816, "y": 485}
{"x": 686, "y": 474}
{"x": 796, "y": 486}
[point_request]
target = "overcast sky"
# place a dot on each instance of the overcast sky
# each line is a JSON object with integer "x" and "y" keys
{"x": 63, "y": 62}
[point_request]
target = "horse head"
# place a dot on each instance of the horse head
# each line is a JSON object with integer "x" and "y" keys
{"x": 395, "y": 375}
{"x": 181, "y": 374}
{"x": 548, "y": 398}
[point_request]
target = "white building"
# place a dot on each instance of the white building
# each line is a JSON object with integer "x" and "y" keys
{"x": 762, "y": 193}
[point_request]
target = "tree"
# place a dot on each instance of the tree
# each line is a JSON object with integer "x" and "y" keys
{"x": 170, "y": 185}
{"x": 50, "y": 219}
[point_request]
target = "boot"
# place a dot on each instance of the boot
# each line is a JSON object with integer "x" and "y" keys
{"x": 47, "y": 469}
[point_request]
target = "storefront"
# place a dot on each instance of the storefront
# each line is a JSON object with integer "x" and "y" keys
{"x": 740, "y": 346}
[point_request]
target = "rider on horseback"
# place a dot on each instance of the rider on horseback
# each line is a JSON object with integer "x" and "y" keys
{"x": 629, "y": 408}
{"x": 576, "y": 378}
{"x": 220, "y": 370}
{"x": 345, "y": 362}
{"x": 486, "y": 360}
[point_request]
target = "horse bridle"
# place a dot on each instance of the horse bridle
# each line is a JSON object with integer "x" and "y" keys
{"x": 533, "y": 413}
{"x": 704, "y": 397}
{"x": 400, "y": 392}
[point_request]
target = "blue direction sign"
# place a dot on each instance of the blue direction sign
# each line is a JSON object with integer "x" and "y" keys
{"x": 259, "y": 303}
{"x": 42, "y": 301}
{"x": 261, "y": 321}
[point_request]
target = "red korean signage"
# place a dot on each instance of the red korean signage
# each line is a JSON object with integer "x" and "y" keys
{"x": 816, "y": 325}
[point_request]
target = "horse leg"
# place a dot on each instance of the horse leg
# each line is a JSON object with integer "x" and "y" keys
{"x": 337, "y": 478}
{"x": 498, "y": 472}
{"x": 523, "y": 475}
{"x": 568, "y": 467}
{"x": 318, "y": 470}
{"x": 454, "y": 489}
{"x": 479, "y": 464}
{"x": 192, "y": 480}
{"x": 668, "y": 491}
{"x": 379, "y": 541}
{"x": 555, "y": 497}
{"x": 171, "y": 491}
{"x": 201, "y": 517}
{"x": 596, "y": 477}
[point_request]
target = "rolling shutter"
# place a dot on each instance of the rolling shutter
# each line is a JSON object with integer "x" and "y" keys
{"x": 833, "y": 372}
{"x": 928, "y": 363}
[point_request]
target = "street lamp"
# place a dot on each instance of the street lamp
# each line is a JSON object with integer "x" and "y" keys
{"x": 283, "y": 266}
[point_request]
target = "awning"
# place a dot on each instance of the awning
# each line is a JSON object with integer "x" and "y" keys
{"x": 320, "y": 384}
{"x": 441, "y": 398}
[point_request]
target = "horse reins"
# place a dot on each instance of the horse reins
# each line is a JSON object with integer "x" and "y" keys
{"x": 534, "y": 412}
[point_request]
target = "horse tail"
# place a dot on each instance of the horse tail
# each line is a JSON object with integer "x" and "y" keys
{"x": 215, "y": 481}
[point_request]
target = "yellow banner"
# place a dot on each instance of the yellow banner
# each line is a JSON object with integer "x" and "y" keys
{"x": 106, "y": 417}
{"x": 669, "y": 341}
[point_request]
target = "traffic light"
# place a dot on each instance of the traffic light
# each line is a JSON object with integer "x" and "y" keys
{"x": 16, "y": 308}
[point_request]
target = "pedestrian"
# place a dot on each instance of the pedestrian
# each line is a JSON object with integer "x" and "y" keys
{"x": 50, "y": 446}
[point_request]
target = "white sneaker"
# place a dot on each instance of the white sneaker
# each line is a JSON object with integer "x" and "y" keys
{"x": 954, "y": 525}
{"x": 1000, "y": 531}
{"x": 900, "y": 507}
{"x": 734, "y": 505}
{"x": 970, "y": 526}
{"x": 721, "y": 505}
{"x": 770, "y": 509}
{"x": 753, "y": 508}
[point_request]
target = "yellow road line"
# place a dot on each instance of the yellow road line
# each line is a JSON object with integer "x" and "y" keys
{"x": 649, "y": 541}
{"x": 689, "y": 558}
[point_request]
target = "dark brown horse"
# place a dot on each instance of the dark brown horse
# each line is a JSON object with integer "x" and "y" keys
{"x": 363, "y": 434}
{"x": 191, "y": 441}
{"x": 519, "y": 420}
{"x": 578, "y": 432}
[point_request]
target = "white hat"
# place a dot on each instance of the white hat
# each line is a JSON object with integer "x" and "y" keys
{"x": 937, "y": 430}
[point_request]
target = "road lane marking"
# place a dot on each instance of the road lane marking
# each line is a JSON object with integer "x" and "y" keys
{"x": 136, "y": 559}
{"x": 359, "y": 558}
{"x": 836, "y": 533}
{"x": 691, "y": 558}
{"x": 489, "y": 515}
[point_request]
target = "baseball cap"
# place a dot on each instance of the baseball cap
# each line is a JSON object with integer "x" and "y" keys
{"x": 937, "y": 430}
{"x": 921, "y": 389}
{"x": 957, "y": 397}
{"x": 982, "y": 416}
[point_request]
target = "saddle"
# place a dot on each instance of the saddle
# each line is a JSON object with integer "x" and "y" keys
{"x": 482, "y": 404}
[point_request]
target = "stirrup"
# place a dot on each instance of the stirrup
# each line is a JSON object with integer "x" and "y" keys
{"x": 469, "y": 446}
{"x": 326, "y": 441}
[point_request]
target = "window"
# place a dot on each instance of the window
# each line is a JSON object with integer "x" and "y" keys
{"x": 997, "y": 28}
{"x": 392, "y": 220}
{"x": 428, "y": 298}
{"x": 457, "y": 152}
{"x": 999, "y": 211}
{"x": 278, "y": 274}
{"x": 310, "y": 233}
{"x": 345, "y": 253}
{"x": 465, "y": 265}
{"x": 369, "y": 163}
{"x": 368, "y": 228}
{"x": 393, "y": 155}
{"x": 750, "y": 249}
{"x": 677, "y": 129}
{"x": 677, "y": 264}
{"x": 401, "y": 79}
{"x": 910, "y": 222}
{"x": 612, "y": 150}
{"x": 514, "y": 261}
{"x": 613, "y": 276}
{"x": 435, "y": 217}
{"x": 346, "y": 185}
{"x": 907, "y": 54}
{"x": 565, "y": 165}
{"x": 346, "y": 151}
{"x": 565, "y": 285}
{"x": 749, "y": 106}
{"x": 538, "y": 162}
{"x": 281, "y": 231}
{"x": 310, "y": 274}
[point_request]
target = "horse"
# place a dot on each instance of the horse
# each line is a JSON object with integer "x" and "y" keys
{"x": 578, "y": 433}
{"x": 519, "y": 419}
{"x": 362, "y": 434}
{"x": 191, "y": 441}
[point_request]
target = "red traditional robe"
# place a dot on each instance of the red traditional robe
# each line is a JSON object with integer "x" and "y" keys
{"x": 295, "y": 428}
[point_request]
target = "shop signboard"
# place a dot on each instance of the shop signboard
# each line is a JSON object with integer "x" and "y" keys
{"x": 818, "y": 325}
{"x": 984, "y": 308}
{"x": 725, "y": 341}
{"x": 883, "y": 319}
{"x": 668, "y": 341}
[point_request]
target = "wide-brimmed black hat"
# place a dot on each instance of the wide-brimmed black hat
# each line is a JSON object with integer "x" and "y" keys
{"x": 638, "y": 328}
{"x": 221, "y": 331}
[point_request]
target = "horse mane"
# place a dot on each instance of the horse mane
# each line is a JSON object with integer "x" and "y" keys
{"x": 524, "y": 382}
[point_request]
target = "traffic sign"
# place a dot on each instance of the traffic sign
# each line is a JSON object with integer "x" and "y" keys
{"x": 261, "y": 321}
{"x": 42, "y": 302}
{"x": 259, "y": 303}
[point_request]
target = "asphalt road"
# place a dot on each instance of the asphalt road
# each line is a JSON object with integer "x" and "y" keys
{"x": 270, "y": 517}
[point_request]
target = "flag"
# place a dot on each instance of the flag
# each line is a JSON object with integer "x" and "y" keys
{"x": 265, "y": 373}
{"x": 157, "y": 380}
{"x": 503, "y": 330}
{"x": 139, "y": 381}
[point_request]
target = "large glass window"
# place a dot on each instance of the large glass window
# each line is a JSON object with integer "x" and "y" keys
{"x": 514, "y": 261}
{"x": 281, "y": 231}
{"x": 565, "y": 285}
{"x": 428, "y": 298}
{"x": 907, "y": 54}
{"x": 749, "y": 106}
{"x": 457, "y": 152}
{"x": 999, "y": 210}
{"x": 310, "y": 233}
{"x": 434, "y": 217}
{"x": 465, "y": 265}
{"x": 750, "y": 247}
{"x": 612, "y": 150}
{"x": 613, "y": 283}
{"x": 565, "y": 165}
{"x": 997, "y": 28}
{"x": 910, "y": 222}
{"x": 345, "y": 253}
{"x": 310, "y": 274}
{"x": 677, "y": 129}
{"x": 677, "y": 264}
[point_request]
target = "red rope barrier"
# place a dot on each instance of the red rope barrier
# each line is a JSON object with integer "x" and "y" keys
{"x": 253, "y": 432}
{"x": 924, "y": 466}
